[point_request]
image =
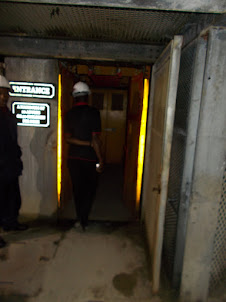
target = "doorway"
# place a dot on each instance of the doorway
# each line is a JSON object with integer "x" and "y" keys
{"x": 108, "y": 204}
{"x": 111, "y": 201}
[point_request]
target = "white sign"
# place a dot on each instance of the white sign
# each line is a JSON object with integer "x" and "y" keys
{"x": 32, "y": 90}
{"x": 32, "y": 114}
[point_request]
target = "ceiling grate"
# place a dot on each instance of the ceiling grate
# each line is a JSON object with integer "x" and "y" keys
{"x": 95, "y": 23}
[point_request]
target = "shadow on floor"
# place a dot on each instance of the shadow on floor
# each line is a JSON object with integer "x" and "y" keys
{"x": 13, "y": 298}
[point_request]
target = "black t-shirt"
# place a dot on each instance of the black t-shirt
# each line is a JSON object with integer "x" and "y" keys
{"x": 10, "y": 163}
{"x": 80, "y": 122}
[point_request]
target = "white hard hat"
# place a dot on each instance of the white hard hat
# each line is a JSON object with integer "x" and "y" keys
{"x": 80, "y": 89}
{"x": 4, "y": 83}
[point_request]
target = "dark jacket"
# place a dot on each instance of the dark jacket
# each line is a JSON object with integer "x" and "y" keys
{"x": 10, "y": 153}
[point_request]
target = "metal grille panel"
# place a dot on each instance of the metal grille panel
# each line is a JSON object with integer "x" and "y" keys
{"x": 177, "y": 156}
{"x": 94, "y": 23}
{"x": 218, "y": 267}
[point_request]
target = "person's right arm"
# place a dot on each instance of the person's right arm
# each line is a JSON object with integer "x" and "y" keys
{"x": 97, "y": 146}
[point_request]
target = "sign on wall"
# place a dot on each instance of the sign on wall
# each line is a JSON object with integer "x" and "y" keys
{"x": 32, "y": 90}
{"x": 32, "y": 114}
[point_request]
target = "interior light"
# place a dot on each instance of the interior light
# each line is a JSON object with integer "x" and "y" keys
{"x": 142, "y": 142}
{"x": 59, "y": 143}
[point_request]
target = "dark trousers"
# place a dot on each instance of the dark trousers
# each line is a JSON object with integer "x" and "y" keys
{"x": 10, "y": 202}
{"x": 84, "y": 181}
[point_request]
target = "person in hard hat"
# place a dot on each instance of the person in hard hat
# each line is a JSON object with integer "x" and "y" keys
{"x": 10, "y": 164}
{"x": 83, "y": 127}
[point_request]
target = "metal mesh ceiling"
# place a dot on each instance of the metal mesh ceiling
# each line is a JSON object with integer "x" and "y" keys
{"x": 94, "y": 23}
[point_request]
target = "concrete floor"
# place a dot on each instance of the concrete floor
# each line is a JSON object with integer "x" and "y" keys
{"x": 108, "y": 204}
{"x": 57, "y": 263}
{"x": 49, "y": 263}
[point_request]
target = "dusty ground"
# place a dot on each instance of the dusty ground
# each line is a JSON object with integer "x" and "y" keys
{"x": 58, "y": 263}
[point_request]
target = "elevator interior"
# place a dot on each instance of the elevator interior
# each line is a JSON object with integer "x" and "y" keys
{"x": 116, "y": 91}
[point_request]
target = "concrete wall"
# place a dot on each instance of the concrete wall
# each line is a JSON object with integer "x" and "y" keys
{"x": 207, "y": 174}
{"x": 38, "y": 182}
{"x": 180, "y": 5}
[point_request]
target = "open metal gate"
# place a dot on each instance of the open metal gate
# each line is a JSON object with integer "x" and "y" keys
{"x": 182, "y": 156}
{"x": 158, "y": 146}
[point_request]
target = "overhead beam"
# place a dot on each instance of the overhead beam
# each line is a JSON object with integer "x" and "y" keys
{"x": 205, "y": 6}
{"x": 82, "y": 50}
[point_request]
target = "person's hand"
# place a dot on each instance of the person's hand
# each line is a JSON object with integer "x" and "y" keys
{"x": 100, "y": 167}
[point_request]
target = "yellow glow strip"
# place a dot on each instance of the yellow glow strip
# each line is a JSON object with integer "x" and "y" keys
{"x": 142, "y": 141}
{"x": 59, "y": 142}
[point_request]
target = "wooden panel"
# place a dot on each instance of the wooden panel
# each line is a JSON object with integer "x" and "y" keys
{"x": 158, "y": 147}
{"x": 113, "y": 122}
{"x": 132, "y": 141}
{"x": 116, "y": 126}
